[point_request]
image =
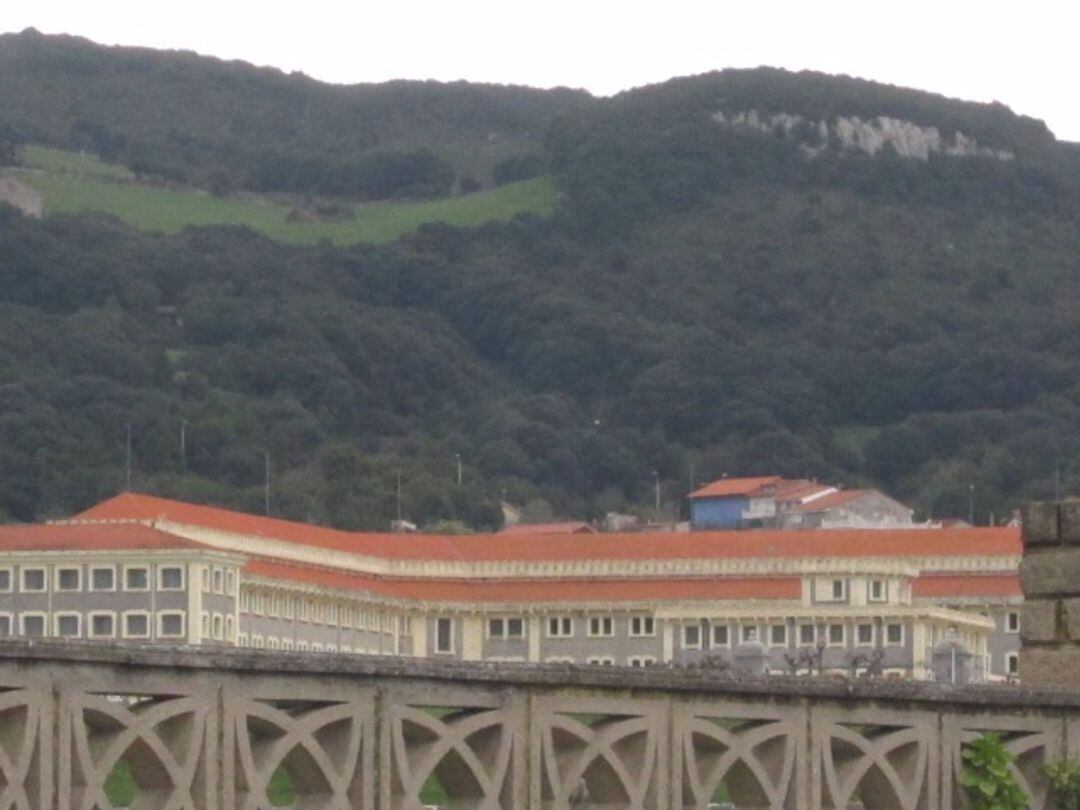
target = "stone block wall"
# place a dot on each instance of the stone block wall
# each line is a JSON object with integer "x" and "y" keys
{"x": 1050, "y": 578}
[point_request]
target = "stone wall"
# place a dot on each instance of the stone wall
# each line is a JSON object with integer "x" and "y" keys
{"x": 1050, "y": 578}
{"x": 203, "y": 730}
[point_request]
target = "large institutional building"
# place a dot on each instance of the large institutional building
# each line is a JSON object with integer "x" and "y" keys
{"x": 151, "y": 570}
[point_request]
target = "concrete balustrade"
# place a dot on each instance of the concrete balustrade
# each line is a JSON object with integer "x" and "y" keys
{"x": 203, "y": 729}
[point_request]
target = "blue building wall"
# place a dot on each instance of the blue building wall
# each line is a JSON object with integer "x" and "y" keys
{"x": 717, "y": 513}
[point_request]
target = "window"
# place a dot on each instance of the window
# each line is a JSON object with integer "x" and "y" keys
{"x": 864, "y": 634}
{"x": 171, "y": 578}
{"x": 257, "y": 642}
{"x": 601, "y": 626}
{"x": 560, "y": 626}
{"x": 806, "y": 634}
{"x": 691, "y": 635}
{"x": 219, "y": 627}
{"x": 878, "y": 590}
{"x": 444, "y": 635}
{"x": 230, "y": 582}
{"x": 206, "y": 625}
{"x": 5, "y": 624}
{"x": 68, "y": 579}
{"x": 720, "y": 635}
{"x": 136, "y": 578}
{"x": 5, "y": 580}
{"x": 230, "y": 628}
{"x": 496, "y": 628}
{"x": 102, "y": 625}
{"x": 67, "y": 625}
{"x": 242, "y": 640}
{"x": 32, "y": 624}
{"x": 33, "y": 580}
{"x": 171, "y": 625}
{"x": 206, "y": 578}
{"x": 602, "y": 661}
{"x": 749, "y": 633}
{"x": 778, "y": 635}
{"x": 219, "y": 580}
{"x": 136, "y": 625}
{"x": 894, "y": 633}
{"x": 290, "y": 607}
{"x": 1012, "y": 621}
{"x": 836, "y": 634}
{"x": 642, "y": 661}
{"x": 839, "y": 590}
{"x": 1012, "y": 664}
{"x": 103, "y": 579}
{"x": 642, "y": 626}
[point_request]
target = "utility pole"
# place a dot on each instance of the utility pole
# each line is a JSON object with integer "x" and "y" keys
{"x": 127, "y": 460}
{"x": 971, "y": 504}
{"x": 398, "y": 497}
{"x": 1057, "y": 478}
{"x": 457, "y": 458}
{"x": 266, "y": 493}
{"x": 656, "y": 477}
{"x": 183, "y": 445}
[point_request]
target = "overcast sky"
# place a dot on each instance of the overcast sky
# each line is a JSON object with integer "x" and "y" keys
{"x": 1024, "y": 54}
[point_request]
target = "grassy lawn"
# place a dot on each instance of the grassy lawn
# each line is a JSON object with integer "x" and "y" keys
{"x": 63, "y": 161}
{"x": 170, "y": 210}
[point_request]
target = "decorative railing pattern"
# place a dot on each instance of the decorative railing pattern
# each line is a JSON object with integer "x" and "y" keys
{"x": 201, "y": 730}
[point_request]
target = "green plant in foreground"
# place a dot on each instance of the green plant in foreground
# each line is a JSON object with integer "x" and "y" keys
{"x": 986, "y": 776}
{"x": 1064, "y": 779}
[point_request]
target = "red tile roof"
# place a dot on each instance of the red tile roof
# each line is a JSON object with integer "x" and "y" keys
{"x": 567, "y": 527}
{"x": 90, "y": 537}
{"x": 541, "y": 590}
{"x": 791, "y": 543}
{"x": 730, "y": 487}
{"x": 946, "y": 585}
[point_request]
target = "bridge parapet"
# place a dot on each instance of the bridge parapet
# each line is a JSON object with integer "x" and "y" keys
{"x": 203, "y": 729}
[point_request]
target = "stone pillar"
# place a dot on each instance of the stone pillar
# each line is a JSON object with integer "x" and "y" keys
{"x": 1050, "y": 579}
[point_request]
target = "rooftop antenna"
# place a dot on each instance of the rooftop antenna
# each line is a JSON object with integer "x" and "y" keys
{"x": 266, "y": 456}
{"x": 127, "y": 459}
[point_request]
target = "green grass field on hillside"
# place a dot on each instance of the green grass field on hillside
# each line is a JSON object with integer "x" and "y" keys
{"x": 70, "y": 186}
{"x": 63, "y": 161}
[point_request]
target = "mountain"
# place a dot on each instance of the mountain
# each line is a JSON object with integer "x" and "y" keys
{"x": 746, "y": 272}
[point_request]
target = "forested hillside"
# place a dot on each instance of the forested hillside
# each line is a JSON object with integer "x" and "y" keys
{"x": 708, "y": 298}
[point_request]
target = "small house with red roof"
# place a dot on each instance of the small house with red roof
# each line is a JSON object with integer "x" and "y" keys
{"x": 730, "y": 503}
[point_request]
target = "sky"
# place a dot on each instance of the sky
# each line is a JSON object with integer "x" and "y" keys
{"x": 1023, "y": 54}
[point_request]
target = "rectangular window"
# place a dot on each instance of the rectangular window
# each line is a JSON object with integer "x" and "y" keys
{"x": 839, "y": 590}
{"x": 5, "y": 625}
{"x": 67, "y": 625}
{"x": 894, "y": 633}
{"x": 878, "y": 591}
{"x": 496, "y": 628}
{"x": 836, "y": 634}
{"x": 560, "y": 626}
{"x": 136, "y": 625}
{"x": 444, "y": 635}
{"x": 602, "y": 661}
{"x": 806, "y": 634}
{"x": 601, "y": 626}
{"x": 33, "y": 580}
{"x": 206, "y": 578}
{"x": 5, "y": 580}
{"x": 219, "y": 580}
{"x": 864, "y": 634}
{"x": 171, "y": 578}
{"x": 642, "y": 626}
{"x": 103, "y": 579}
{"x": 778, "y": 635}
{"x": 230, "y": 628}
{"x": 1012, "y": 664}
{"x": 102, "y": 625}
{"x": 219, "y": 627}
{"x": 691, "y": 634}
{"x": 515, "y": 628}
{"x": 136, "y": 578}
{"x": 171, "y": 625}
{"x": 230, "y": 582}
{"x": 642, "y": 661}
{"x": 32, "y": 624}
{"x": 68, "y": 579}
{"x": 720, "y": 635}
{"x": 1012, "y": 622}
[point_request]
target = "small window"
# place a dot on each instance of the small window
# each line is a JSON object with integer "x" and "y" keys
{"x": 219, "y": 627}
{"x": 32, "y": 624}
{"x": 136, "y": 625}
{"x": 67, "y": 625}
{"x": 171, "y": 578}
{"x": 496, "y": 628}
{"x": 230, "y": 628}
{"x": 68, "y": 579}
{"x": 136, "y": 578}
{"x": 33, "y": 580}
{"x": 602, "y": 661}
{"x": 1012, "y": 622}
{"x": 864, "y": 634}
{"x": 444, "y": 635}
{"x": 878, "y": 590}
{"x": 560, "y": 626}
{"x": 206, "y": 578}
{"x": 642, "y": 661}
{"x": 219, "y": 580}
{"x": 720, "y": 635}
{"x": 5, "y": 580}
{"x": 839, "y": 590}
{"x": 230, "y": 582}
{"x": 642, "y": 626}
{"x": 171, "y": 625}
{"x": 103, "y": 579}
{"x": 1012, "y": 664}
{"x": 806, "y": 634}
{"x": 5, "y": 625}
{"x": 102, "y": 625}
{"x": 778, "y": 635}
{"x": 515, "y": 628}
{"x": 836, "y": 634}
{"x": 749, "y": 633}
{"x": 894, "y": 633}
{"x": 691, "y": 634}
{"x": 601, "y": 626}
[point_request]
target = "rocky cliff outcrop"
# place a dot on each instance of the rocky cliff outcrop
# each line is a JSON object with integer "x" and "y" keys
{"x": 20, "y": 195}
